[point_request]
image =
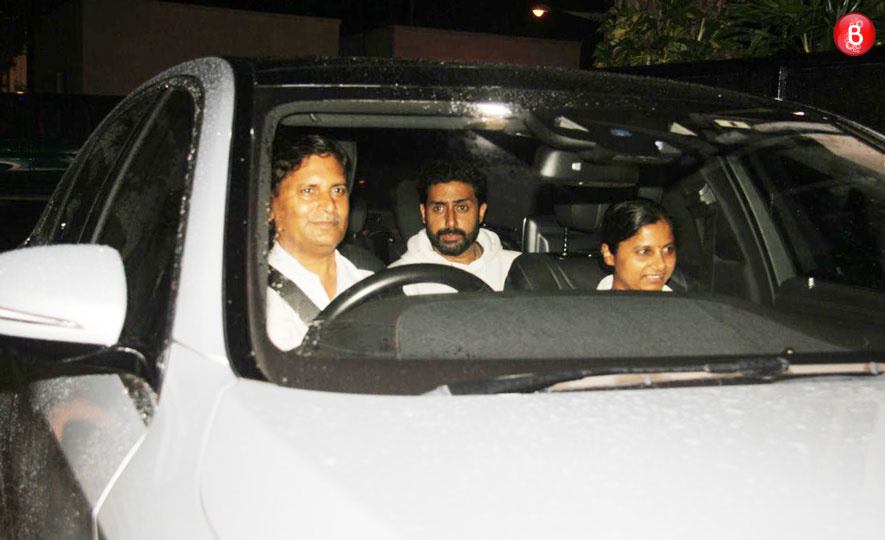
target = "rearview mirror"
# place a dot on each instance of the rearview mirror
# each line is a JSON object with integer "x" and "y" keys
{"x": 568, "y": 168}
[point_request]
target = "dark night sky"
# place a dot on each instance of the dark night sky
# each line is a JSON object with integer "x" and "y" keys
{"x": 509, "y": 17}
{"x": 496, "y": 16}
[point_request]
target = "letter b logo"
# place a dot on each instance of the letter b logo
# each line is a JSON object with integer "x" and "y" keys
{"x": 854, "y": 34}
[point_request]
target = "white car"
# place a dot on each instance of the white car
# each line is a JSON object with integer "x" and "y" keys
{"x": 140, "y": 395}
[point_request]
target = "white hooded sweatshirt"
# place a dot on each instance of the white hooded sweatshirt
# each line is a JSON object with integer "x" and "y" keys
{"x": 492, "y": 266}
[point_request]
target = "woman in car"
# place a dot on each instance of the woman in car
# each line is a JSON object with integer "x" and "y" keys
{"x": 638, "y": 246}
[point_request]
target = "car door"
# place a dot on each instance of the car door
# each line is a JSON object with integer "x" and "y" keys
{"x": 63, "y": 439}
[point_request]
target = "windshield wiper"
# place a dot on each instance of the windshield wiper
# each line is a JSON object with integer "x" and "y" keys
{"x": 751, "y": 369}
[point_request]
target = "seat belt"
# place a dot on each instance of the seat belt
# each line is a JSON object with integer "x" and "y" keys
{"x": 295, "y": 297}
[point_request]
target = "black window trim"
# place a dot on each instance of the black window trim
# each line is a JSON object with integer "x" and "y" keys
{"x": 95, "y": 224}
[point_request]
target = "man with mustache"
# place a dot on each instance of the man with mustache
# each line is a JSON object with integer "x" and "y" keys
{"x": 309, "y": 207}
{"x": 453, "y": 206}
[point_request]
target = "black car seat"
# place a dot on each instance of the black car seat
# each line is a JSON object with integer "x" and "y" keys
{"x": 355, "y": 245}
{"x": 406, "y": 214}
{"x": 561, "y": 252}
{"x": 573, "y": 229}
{"x": 552, "y": 272}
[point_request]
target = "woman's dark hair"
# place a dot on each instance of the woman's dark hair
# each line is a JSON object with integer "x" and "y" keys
{"x": 289, "y": 156}
{"x": 442, "y": 172}
{"x": 624, "y": 219}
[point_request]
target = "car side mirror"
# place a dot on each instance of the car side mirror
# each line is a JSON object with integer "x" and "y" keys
{"x": 62, "y": 310}
{"x": 69, "y": 293}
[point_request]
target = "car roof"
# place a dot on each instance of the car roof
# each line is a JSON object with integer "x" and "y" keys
{"x": 641, "y": 93}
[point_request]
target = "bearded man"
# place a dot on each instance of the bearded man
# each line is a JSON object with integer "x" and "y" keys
{"x": 453, "y": 206}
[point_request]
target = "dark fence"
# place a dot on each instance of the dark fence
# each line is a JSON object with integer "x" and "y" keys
{"x": 845, "y": 85}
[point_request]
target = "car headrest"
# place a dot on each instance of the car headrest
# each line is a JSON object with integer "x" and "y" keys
{"x": 587, "y": 217}
{"x": 581, "y": 216}
{"x": 406, "y": 202}
{"x": 652, "y": 193}
{"x": 359, "y": 211}
{"x": 349, "y": 148}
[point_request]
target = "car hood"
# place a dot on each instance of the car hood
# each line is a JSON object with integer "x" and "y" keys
{"x": 800, "y": 458}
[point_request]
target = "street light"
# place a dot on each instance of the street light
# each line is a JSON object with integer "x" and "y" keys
{"x": 549, "y": 20}
{"x": 540, "y": 11}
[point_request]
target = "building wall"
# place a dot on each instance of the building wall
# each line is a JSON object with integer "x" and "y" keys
{"x": 377, "y": 43}
{"x": 434, "y": 44}
{"x": 15, "y": 78}
{"x": 125, "y": 42}
{"x": 57, "y": 65}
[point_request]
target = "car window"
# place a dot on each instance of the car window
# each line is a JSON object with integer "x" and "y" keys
{"x": 826, "y": 194}
{"x": 710, "y": 252}
{"x": 81, "y": 192}
{"x": 549, "y": 180}
{"x": 142, "y": 216}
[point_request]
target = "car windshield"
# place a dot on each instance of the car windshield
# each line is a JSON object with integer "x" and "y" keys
{"x": 778, "y": 225}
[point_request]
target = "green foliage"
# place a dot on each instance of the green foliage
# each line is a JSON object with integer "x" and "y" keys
{"x": 767, "y": 27}
{"x": 672, "y": 31}
{"x": 675, "y": 31}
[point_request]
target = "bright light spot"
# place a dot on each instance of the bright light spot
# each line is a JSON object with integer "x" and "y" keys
{"x": 799, "y": 113}
{"x": 736, "y": 124}
{"x": 362, "y": 182}
{"x": 493, "y": 109}
{"x": 566, "y": 123}
{"x": 20, "y": 92}
{"x": 539, "y": 11}
{"x": 681, "y": 130}
{"x": 667, "y": 149}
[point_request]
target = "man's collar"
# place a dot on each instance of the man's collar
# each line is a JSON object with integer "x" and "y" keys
{"x": 287, "y": 263}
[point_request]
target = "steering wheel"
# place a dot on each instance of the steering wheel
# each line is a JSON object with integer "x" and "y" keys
{"x": 388, "y": 282}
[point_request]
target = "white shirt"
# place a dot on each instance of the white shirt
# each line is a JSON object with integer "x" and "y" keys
{"x": 284, "y": 328}
{"x": 492, "y": 266}
{"x": 605, "y": 284}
